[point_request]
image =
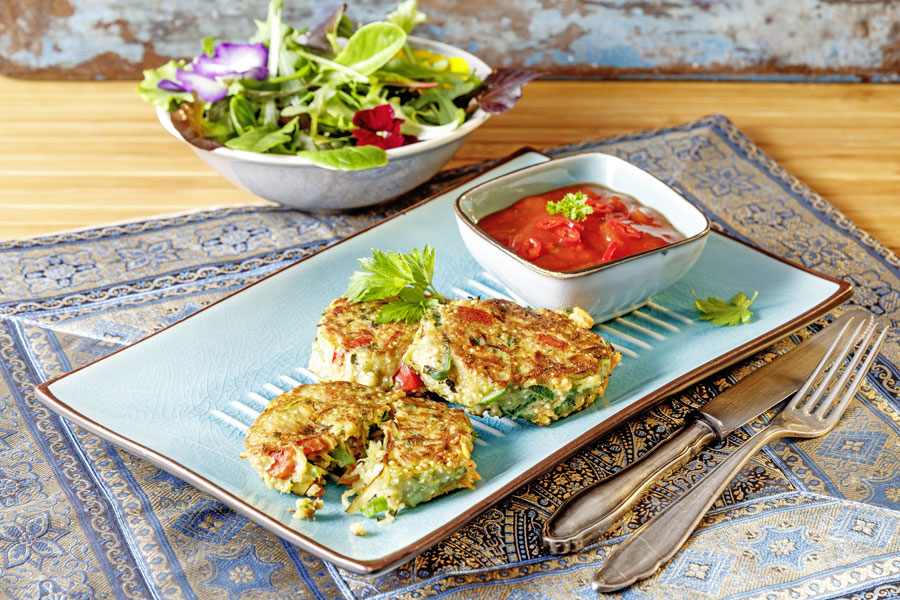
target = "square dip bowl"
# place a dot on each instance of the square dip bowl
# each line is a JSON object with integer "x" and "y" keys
{"x": 606, "y": 290}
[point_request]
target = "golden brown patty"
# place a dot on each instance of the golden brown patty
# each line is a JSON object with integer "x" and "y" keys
{"x": 312, "y": 429}
{"x": 498, "y": 357}
{"x": 350, "y": 346}
{"x": 426, "y": 452}
{"x": 400, "y": 449}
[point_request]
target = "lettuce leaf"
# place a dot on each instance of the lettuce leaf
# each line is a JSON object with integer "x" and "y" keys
{"x": 348, "y": 158}
{"x": 371, "y": 47}
{"x": 149, "y": 92}
{"x": 188, "y": 119}
{"x": 407, "y": 15}
{"x": 263, "y": 138}
{"x": 501, "y": 90}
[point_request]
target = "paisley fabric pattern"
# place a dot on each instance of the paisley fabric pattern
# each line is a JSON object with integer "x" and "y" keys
{"x": 82, "y": 519}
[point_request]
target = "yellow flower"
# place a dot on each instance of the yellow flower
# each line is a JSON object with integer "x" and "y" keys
{"x": 455, "y": 64}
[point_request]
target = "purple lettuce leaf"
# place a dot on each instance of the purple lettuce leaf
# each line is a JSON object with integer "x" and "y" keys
{"x": 317, "y": 39}
{"x": 500, "y": 91}
{"x": 193, "y": 127}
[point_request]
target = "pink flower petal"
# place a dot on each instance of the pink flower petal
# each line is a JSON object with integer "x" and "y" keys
{"x": 168, "y": 84}
{"x": 243, "y": 58}
{"x": 380, "y": 118}
{"x": 209, "y": 90}
{"x": 378, "y": 127}
{"x": 208, "y": 67}
{"x": 257, "y": 73}
{"x": 383, "y": 139}
{"x": 364, "y": 137}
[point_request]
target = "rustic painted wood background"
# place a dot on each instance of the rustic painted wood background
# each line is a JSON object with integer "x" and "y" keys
{"x": 846, "y": 40}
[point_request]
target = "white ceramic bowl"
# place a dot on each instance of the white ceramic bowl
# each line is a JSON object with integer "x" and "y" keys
{"x": 607, "y": 290}
{"x": 298, "y": 183}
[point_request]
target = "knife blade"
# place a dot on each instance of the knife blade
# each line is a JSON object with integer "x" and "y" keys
{"x": 586, "y": 515}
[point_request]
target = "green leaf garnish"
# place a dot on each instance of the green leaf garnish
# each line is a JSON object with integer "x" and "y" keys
{"x": 374, "y": 506}
{"x": 573, "y": 206}
{"x": 719, "y": 312}
{"x": 407, "y": 276}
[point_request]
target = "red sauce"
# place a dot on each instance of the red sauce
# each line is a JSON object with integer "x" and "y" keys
{"x": 619, "y": 226}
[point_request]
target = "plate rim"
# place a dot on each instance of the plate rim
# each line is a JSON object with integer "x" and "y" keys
{"x": 386, "y": 563}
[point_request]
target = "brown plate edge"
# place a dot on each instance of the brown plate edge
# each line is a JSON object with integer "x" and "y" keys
{"x": 386, "y": 563}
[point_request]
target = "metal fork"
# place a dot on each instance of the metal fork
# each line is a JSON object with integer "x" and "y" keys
{"x": 806, "y": 415}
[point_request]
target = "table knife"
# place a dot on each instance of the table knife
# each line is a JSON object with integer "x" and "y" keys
{"x": 585, "y": 516}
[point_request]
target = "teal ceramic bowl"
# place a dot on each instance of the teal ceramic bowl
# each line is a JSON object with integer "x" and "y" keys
{"x": 606, "y": 290}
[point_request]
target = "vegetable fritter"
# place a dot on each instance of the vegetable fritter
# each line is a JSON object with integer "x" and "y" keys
{"x": 426, "y": 451}
{"x": 494, "y": 356}
{"x": 393, "y": 450}
{"x": 311, "y": 429}
{"x": 350, "y": 346}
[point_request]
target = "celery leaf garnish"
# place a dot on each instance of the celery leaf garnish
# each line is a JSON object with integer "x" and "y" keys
{"x": 719, "y": 312}
{"x": 388, "y": 274}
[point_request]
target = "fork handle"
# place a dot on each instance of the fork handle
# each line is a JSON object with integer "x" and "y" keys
{"x": 585, "y": 516}
{"x": 657, "y": 540}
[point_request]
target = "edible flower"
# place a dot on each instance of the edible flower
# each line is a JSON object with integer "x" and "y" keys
{"x": 378, "y": 127}
{"x": 209, "y": 76}
{"x": 454, "y": 64}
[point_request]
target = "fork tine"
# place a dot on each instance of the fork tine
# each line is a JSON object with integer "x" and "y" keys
{"x": 870, "y": 352}
{"x": 827, "y": 359}
{"x": 836, "y": 378}
{"x": 842, "y": 376}
{"x": 835, "y": 381}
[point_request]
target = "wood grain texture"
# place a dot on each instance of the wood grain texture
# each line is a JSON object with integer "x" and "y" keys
{"x": 77, "y": 154}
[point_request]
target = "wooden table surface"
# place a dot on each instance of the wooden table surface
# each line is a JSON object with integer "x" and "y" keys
{"x": 77, "y": 154}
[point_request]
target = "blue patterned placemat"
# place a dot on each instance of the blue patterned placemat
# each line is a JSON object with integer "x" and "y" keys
{"x": 81, "y": 519}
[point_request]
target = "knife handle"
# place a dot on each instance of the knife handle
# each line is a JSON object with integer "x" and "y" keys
{"x": 583, "y": 517}
{"x": 657, "y": 540}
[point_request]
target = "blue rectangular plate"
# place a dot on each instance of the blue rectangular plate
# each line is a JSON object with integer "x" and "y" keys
{"x": 182, "y": 397}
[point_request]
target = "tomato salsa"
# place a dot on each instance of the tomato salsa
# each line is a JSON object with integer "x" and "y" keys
{"x": 618, "y": 226}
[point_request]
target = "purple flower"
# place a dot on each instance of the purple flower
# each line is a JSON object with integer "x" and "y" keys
{"x": 209, "y": 76}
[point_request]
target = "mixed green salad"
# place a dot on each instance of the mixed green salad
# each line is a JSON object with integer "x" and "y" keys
{"x": 338, "y": 94}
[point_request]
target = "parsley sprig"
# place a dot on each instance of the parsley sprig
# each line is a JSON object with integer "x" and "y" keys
{"x": 720, "y": 312}
{"x": 573, "y": 206}
{"x": 407, "y": 276}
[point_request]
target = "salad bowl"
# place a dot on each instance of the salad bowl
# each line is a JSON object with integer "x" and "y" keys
{"x": 605, "y": 290}
{"x": 299, "y": 183}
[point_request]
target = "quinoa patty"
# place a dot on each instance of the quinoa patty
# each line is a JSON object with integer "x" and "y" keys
{"x": 426, "y": 451}
{"x": 350, "y": 346}
{"x": 494, "y": 356}
{"x": 393, "y": 450}
{"x": 311, "y": 429}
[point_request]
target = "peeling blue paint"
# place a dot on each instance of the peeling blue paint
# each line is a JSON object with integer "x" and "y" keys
{"x": 842, "y": 40}
{"x": 622, "y": 56}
